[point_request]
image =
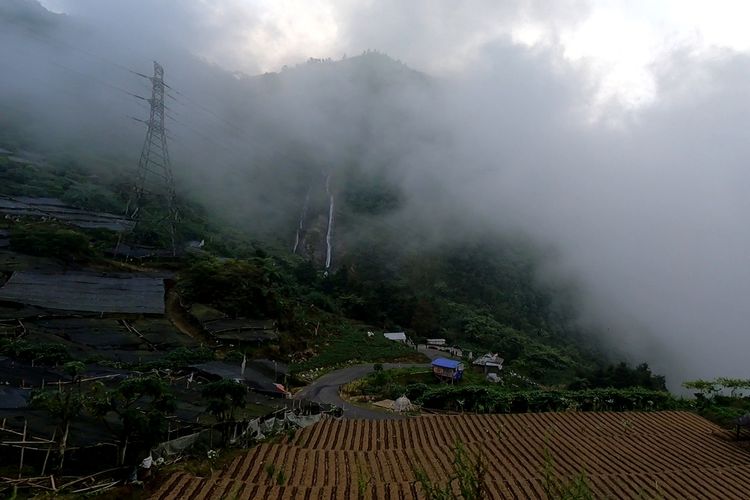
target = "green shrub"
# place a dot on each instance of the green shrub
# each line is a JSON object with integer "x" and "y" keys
{"x": 46, "y": 241}
{"x": 416, "y": 391}
{"x": 38, "y": 353}
{"x": 92, "y": 197}
{"x": 182, "y": 357}
{"x": 252, "y": 288}
{"x": 491, "y": 399}
{"x": 234, "y": 356}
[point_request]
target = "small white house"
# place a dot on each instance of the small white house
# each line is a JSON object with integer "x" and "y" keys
{"x": 489, "y": 363}
{"x": 396, "y": 336}
{"x": 432, "y": 342}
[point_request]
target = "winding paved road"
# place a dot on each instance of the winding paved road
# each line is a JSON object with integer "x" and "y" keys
{"x": 326, "y": 390}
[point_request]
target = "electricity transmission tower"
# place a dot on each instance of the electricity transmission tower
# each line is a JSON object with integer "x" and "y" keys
{"x": 154, "y": 161}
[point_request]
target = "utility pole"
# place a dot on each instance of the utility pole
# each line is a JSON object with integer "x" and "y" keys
{"x": 154, "y": 160}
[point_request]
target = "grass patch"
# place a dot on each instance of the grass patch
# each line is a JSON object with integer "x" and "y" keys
{"x": 351, "y": 346}
{"x": 413, "y": 381}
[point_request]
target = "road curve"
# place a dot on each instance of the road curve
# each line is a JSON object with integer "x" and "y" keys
{"x": 326, "y": 390}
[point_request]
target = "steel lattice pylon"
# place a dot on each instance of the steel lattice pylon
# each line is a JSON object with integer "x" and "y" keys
{"x": 154, "y": 160}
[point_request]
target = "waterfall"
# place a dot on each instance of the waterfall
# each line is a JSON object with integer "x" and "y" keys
{"x": 302, "y": 218}
{"x": 330, "y": 222}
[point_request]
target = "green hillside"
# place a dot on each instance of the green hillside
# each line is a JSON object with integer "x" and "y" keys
{"x": 482, "y": 295}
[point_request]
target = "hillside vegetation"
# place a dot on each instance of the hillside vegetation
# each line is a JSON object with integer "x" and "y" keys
{"x": 480, "y": 294}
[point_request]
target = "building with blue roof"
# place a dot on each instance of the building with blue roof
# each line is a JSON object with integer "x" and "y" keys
{"x": 448, "y": 369}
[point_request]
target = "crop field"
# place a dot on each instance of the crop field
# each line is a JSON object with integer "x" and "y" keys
{"x": 623, "y": 455}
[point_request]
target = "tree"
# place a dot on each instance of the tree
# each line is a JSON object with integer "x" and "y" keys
{"x": 733, "y": 384}
{"x": 619, "y": 376}
{"x": 63, "y": 404}
{"x": 224, "y": 397}
{"x": 707, "y": 389}
{"x": 141, "y": 405}
{"x": 424, "y": 320}
{"x": 250, "y": 287}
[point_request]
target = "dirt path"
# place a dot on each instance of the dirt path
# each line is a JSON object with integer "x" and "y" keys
{"x": 181, "y": 319}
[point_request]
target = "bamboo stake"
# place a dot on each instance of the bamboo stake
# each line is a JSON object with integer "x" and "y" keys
{"x": 40, "y": 486}
{"x": 49, "y": 450}
{"x": 92, "y": 476}
{"x": 21, "y": 446}
{"x": 20, "y": 464}
{"x": 63, "y": 445}
{"x": 16, "y": 481}
{"x": 90, "y": 379}
{"x": 96, "y": 487}
{"x": 31, "y": 440}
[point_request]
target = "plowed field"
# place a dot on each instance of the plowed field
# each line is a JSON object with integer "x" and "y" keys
{"x": 624, "y": 455}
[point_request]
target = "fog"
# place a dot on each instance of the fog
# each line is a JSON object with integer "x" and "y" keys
{"x": 644, "y": 205}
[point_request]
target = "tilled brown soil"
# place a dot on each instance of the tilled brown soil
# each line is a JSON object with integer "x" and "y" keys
{"x": 623, "y": 455}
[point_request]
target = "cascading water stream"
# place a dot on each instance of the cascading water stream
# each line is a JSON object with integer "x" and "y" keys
{"x": 302, "y": 218}
{"x": 330, "y": 222}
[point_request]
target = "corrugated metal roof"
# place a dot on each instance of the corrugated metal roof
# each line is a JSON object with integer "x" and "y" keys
{"x": 489, "y": 359}
{"x": 395, "y": 336}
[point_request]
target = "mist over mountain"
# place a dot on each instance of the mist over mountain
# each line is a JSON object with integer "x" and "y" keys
{"x": 640, "y": 212}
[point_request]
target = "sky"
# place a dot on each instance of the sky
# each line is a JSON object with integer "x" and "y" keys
{"x": 619, "y": 41}
{"x": 614, "y": 131}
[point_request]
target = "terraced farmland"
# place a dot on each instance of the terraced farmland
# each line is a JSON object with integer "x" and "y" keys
{"x": 624, "y": 455}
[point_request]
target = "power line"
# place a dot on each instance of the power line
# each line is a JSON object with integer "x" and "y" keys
{"x": 98, "y": 80}
{"x": 236, "y": 146}
{"x": 122, "y": 67}
{"x": 140, "y": 98}
{"x": 57, "y": 41}
{"x": 192, "y": 102}
{"x": 186, "y": 100}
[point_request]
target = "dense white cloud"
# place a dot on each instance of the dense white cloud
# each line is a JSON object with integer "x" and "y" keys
{"x": 619, "y": 42}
